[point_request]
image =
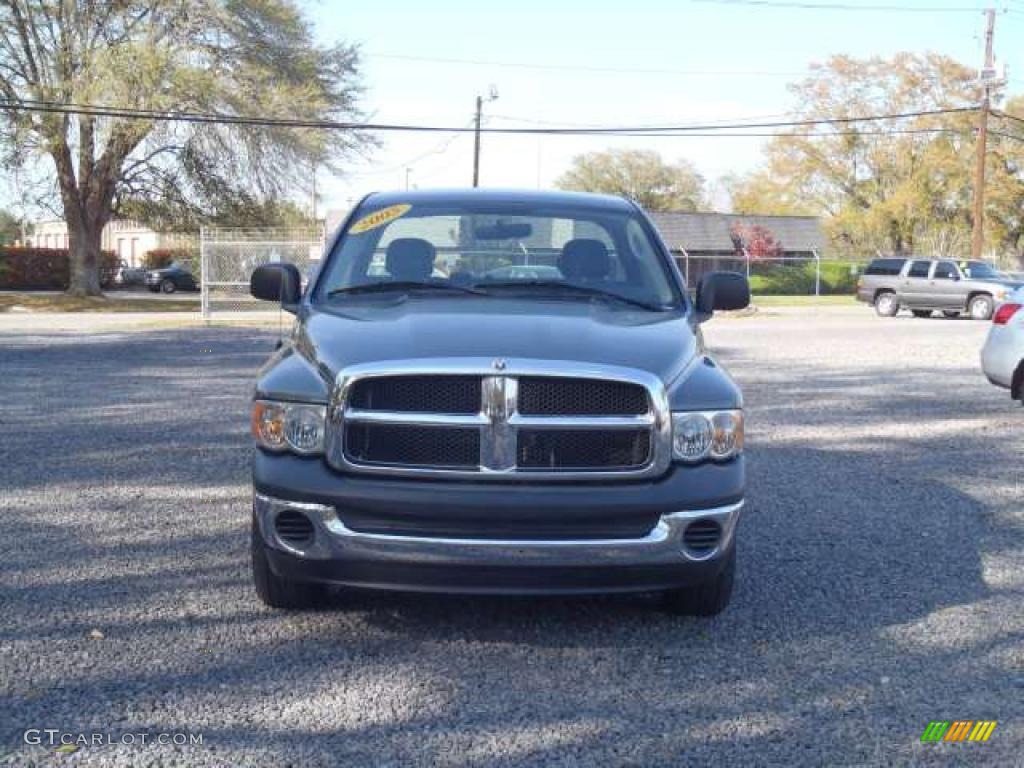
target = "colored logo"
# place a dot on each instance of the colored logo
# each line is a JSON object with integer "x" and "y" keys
{"x": 958, "y": 730}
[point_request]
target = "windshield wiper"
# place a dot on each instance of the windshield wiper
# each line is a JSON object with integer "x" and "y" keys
{"x": 586, "y": 290}
{"x": 403, "y": 285}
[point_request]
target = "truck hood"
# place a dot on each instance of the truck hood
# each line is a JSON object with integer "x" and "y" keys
{"x": 359, "y": 331}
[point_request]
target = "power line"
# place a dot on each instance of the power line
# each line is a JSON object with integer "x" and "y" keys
{"x": 584, "y": 68}
{"x": 684, "y": 131}
{"x": 1008, "y": 116}
{"x": 646, "y": 123}
{"x": 829, "y": 135}
{"x": 91, "y": 110}
{"x": 885, "y": 8}
{"x": 439, "y": 149}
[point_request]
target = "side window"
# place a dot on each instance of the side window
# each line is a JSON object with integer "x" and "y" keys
{"x": 919, "y": 269}
{"x": 945, "y": 270}
{"x": 885, "y": 267}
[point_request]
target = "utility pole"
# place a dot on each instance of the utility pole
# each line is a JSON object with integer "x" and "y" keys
{"x": 476, "y": 142}
{"x": 493, "y": 95}
{"x": 312, "y": 195}
{"x": 988, "y": 76}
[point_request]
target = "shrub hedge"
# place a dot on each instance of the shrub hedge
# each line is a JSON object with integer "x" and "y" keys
{"x": 46, "y": 268}
{"x": 837, "y": 277}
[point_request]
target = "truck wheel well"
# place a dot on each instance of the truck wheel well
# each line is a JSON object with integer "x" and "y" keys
{"x": 880, "y": 291}
{"x": 973, "y": 294}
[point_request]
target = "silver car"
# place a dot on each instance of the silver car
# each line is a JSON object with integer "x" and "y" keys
{"x": 1002, "y": 357}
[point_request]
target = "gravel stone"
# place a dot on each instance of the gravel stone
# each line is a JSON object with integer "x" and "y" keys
{"x": 879, "y": 587}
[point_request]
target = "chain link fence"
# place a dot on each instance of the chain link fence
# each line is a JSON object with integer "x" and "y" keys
{"x": 229, "y": 256}
{"x": 807, "y": 275}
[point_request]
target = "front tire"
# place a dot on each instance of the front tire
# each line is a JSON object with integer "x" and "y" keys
{"x": 886, "y": 304}
{"x": 168, "y": 286}
{"x": 709, "y": 598}
{"x": 271, "y": 588}
{"x": 981, "y": 307}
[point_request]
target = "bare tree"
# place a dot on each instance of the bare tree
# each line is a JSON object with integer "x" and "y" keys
{"x": 240, "y": 57}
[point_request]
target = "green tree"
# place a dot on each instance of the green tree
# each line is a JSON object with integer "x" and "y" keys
{"x": 760, "y": 193}
{"x": 240, "y": 57}
{"x": 879, "y": 186}
{"x": 639, "y": 174}
{"x": 10, "y": 227}
{"x": 1004, "y": 192}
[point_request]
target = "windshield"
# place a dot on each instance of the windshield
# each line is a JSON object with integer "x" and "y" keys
{"x": 500, "y": 248}
{"x": 980, "y": 270}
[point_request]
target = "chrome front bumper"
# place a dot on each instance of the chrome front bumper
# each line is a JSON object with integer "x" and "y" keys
{"x": 332, "y": 540}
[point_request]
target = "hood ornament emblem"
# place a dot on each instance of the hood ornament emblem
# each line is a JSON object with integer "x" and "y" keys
{"x": 499, "y": 364}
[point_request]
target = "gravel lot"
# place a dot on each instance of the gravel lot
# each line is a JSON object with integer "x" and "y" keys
{"x": 880, "y": 584}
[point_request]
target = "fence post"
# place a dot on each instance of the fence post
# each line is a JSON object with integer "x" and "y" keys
{"x": 746, "y": 255}
{"x": 817, "y": 272}
{"x": 204, "y": 276}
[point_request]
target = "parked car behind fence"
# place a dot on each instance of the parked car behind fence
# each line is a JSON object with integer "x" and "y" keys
{"x": 176, "y": 277}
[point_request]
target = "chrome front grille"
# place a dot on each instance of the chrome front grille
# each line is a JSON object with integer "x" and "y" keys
{"x": 499, "y": 419}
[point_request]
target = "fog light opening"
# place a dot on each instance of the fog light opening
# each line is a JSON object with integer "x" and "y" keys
{"x": 293, "y": 528}
{"x": 702, "y": 537}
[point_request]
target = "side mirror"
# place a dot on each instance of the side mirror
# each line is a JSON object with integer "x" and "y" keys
{"x": 722, "y": 290}
{"x": 277, "y": 282}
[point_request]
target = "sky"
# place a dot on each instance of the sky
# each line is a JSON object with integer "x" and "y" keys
{"x": 575, "y": 63}
{"x": 626, "y": 63}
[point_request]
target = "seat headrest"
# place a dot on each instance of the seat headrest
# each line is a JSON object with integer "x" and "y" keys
{"x": 585, "y": 259}
{"x": 409, "y": 258}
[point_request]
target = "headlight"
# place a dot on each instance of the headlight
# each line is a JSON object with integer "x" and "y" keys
{"x": 698, "y": 436}
{"x": 289, "y": 426}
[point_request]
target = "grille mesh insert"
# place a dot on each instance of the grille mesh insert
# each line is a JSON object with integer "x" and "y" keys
{"x": 583, "y": 448}
{"x": 544, "y": 396}
{"x": 426, "y": 394}
{"x": 416, "y": 446}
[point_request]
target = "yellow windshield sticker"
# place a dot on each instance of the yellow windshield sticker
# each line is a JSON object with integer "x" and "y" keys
{"x": 379, "y": 218}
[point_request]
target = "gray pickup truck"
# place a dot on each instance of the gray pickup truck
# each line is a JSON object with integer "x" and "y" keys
{"x": 497, "y": 392}
{"x": 927, "y": 285}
